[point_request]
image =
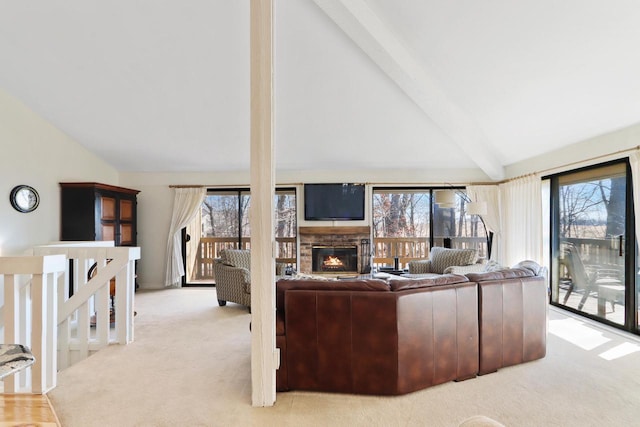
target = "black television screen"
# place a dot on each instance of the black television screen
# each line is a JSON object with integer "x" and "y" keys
{"x": 334, "y": 202}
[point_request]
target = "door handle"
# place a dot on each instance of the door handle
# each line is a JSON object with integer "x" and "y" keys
{"x": 620, "y": 245}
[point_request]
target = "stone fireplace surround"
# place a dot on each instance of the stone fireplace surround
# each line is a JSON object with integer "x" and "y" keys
{"x": 329, "y": 236}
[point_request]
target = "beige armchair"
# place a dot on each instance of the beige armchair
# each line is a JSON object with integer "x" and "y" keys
{"x": 233, "y": 276}
{"x": 444, "y": 260}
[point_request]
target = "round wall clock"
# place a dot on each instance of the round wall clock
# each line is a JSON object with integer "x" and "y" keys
{"x": 24, "y": 198}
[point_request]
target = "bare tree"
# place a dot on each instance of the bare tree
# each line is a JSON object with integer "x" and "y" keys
{"x": 281, "y": 220}
{"x": 578, "y": 206}
{"x": 209, "y": 212}
{"x": 615, "y": 204}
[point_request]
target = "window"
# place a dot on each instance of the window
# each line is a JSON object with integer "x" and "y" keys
{"x": 286, "y": 226}
{"x": 593, "y": 256}
{"x": 454, "y": 227}
{"x": 223, "y": 223}
{"x": 401, "y": 225}
{"x": 407, "y": 223}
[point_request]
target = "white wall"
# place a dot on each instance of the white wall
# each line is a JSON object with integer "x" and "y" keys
{"x": 155, "y": 201}
{"x": 37, "y": 154}
{"x": 584, "y": 153}
{"x": 155, "y": 206}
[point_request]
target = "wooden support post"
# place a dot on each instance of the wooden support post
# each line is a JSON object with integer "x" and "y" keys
{"x": 264, "y": 357}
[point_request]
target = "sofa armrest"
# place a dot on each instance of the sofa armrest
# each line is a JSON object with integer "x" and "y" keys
{"x": 235, "y": 276}
{"x": 513, "y": 315}
{"x": 420, "y": 266}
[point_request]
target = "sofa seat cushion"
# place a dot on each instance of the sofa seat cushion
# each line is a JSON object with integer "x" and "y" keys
{"x": 426, "y": 282}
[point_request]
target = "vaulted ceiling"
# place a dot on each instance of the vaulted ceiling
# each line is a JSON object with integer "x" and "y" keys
{"x": 163, "y": 85}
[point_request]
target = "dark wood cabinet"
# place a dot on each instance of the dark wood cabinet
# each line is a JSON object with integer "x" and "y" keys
{"x": 93, "y": 211}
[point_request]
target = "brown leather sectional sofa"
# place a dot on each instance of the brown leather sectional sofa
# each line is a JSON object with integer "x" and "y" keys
{"x": 398, "y": 336}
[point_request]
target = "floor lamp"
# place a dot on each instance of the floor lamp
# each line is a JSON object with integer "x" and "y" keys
{"x": 447, "y": 199}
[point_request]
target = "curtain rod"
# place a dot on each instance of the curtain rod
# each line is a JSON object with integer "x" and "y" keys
{"x": 543, "y": 171}
{"x": 229, "y": 185}
{"x": 381, "y": 184}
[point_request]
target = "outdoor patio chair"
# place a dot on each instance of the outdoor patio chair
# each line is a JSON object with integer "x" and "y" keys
{"x": 605, "y": 283}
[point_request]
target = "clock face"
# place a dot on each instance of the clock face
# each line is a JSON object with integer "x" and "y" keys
{"x": 24, "y": 198}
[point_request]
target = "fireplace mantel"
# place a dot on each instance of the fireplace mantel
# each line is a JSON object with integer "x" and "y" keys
{"x": 334, "y": 230}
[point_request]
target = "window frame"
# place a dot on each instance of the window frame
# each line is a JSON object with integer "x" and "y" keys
{"x": 631, "y": 321}
{"x": 239, "y": 192}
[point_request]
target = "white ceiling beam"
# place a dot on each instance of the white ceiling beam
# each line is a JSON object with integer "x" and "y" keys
{"x": 363, "y": 26}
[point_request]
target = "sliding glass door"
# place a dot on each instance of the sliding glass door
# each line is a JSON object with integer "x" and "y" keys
{"x": 223, "y": 223}
{"x": 593, "y": 257}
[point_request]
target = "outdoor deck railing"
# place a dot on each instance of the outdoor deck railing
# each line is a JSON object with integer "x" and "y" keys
{"x": 209, "y": 249}
{"x": 384, "y": 250}
{"x": 597, "y": 251}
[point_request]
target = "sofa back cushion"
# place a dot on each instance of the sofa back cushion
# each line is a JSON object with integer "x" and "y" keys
{"x": 441, "y": 258}
{"x": 509, "y": 273}
{"x": 236, "y": 258}
{"x": 439, "y": 280}
{"x": 284, "y": 285}
{"x": 535, "y": 268}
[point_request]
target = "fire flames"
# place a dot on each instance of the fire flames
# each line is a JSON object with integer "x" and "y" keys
{"x": 332, "y": 261}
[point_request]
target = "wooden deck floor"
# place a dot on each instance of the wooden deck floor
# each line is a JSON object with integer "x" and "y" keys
{"x": 33, "y": 410}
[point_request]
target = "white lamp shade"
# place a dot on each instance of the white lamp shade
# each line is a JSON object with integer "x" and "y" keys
{"x": 445, "y": 198}
{"x": 477, "y": 208}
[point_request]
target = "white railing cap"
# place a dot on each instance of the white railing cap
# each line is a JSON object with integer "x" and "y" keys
{"x": 88, "y": 250}
{"x": 80, "y": 244}
{"x": 32, "y": 264}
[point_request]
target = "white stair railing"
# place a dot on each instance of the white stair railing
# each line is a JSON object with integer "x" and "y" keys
{"x": 85, "y": 320}
{"x": 29, "y": 316}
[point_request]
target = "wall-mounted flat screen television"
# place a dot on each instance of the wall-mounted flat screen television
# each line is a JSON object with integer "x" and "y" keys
{"x": 334, "y": 202}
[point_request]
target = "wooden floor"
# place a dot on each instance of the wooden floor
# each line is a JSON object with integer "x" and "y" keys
{"x": 33, "y": 410}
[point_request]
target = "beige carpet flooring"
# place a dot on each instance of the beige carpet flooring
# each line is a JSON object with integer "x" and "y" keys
{"x": 190, "y": 366}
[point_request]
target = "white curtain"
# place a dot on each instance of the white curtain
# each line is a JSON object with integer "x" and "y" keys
{"x": 634, "y": 162}
{"x": 186, "y": 203}
{"x": 490, "y": 194}
{"x": 521, "y": 223}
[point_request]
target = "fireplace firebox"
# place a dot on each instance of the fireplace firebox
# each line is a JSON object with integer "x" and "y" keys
{"x": 334, "y": 259}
